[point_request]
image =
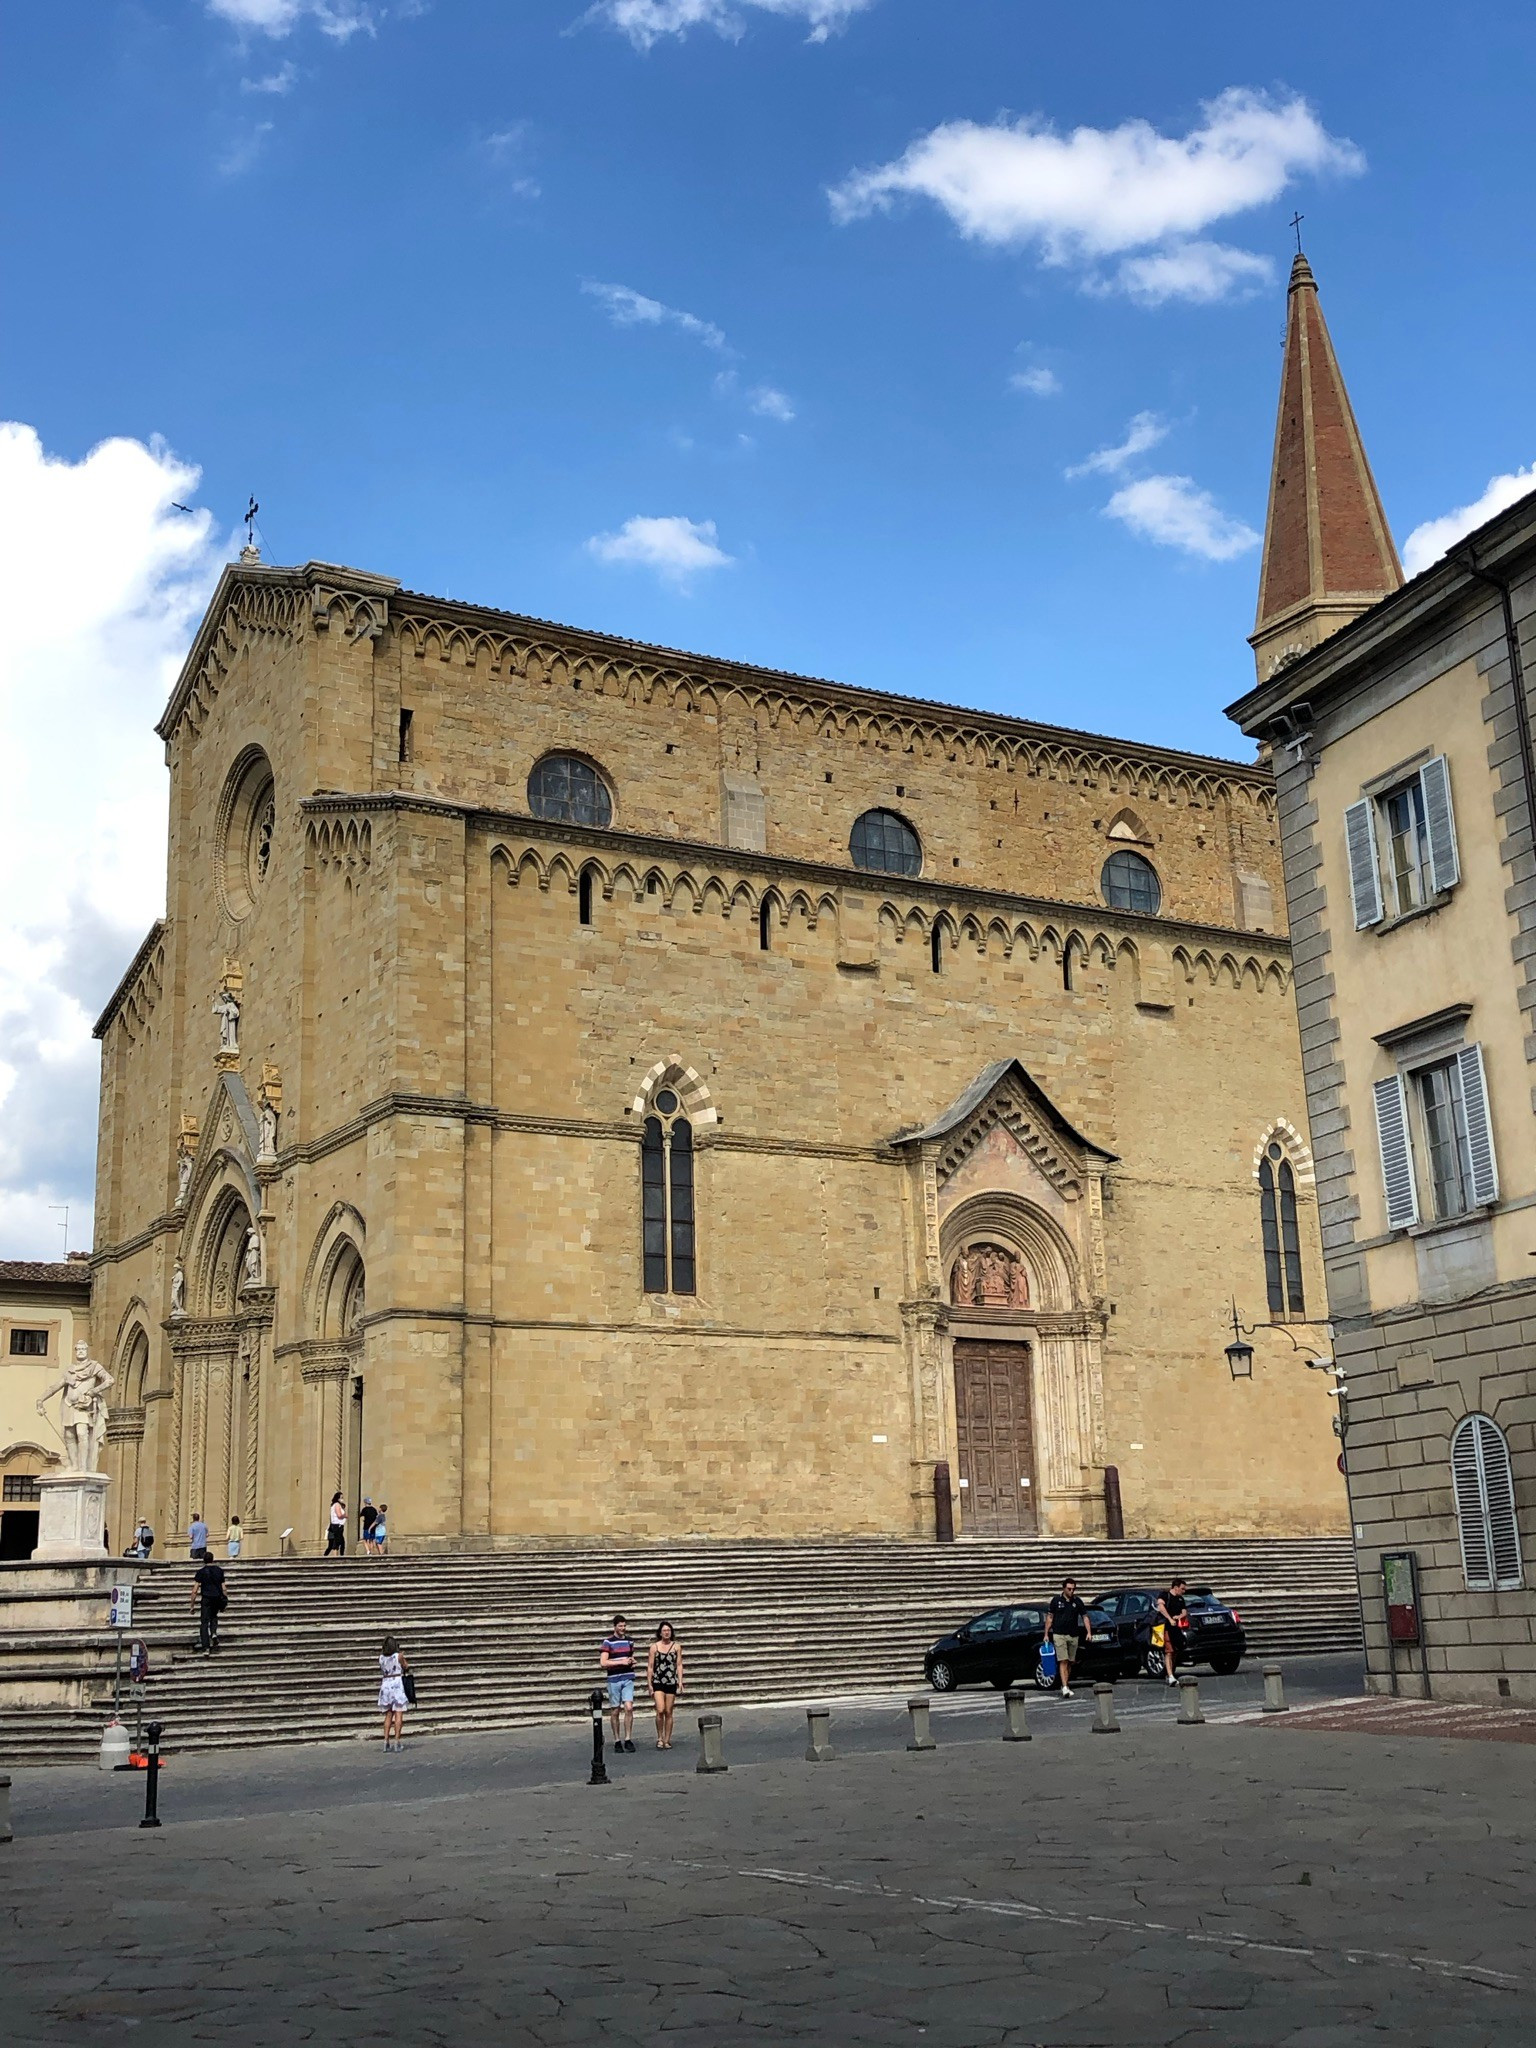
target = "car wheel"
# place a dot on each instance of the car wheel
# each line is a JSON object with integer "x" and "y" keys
{"x": 1152, "y": 1663}
{"x": 941, "y": 1678}
{"x": 1042, "y": 1683}
{"x": 1225, "y": 1666}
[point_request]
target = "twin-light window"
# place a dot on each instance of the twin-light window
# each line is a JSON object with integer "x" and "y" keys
{"x": 1402, "y": 846}
{"x": 1437, "y": 1158}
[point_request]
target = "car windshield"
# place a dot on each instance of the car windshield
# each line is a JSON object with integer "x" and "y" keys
{"x": 988, "y": 1624}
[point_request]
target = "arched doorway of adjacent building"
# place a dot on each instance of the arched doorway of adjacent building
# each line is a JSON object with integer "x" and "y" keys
{"x": 21, "y": 1466}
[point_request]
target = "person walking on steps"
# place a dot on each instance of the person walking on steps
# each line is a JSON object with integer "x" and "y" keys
{"x": 617, "y": 1657}
{"x": 1068, "y": 1621}
{"x": 381, "y": 1529}
{"x": 197, "y": 1538}
{"x": 210, "y": 1600}
{"x": 1172, "y": 1618}
{"x": 664, "y": 1676}
{"x": 367, "y": 1518}
{"x": 336, "y": 1528}
{"x": 394, "y": 1700}
{"x": 234, "y": 1536}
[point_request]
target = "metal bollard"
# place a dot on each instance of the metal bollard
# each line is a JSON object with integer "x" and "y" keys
{"x": 5, "y": 1806}
{"x": 1190, "y": 1715}
{"x": 922, "y": 1734}
{"x": 152, "y": 1778}
{"x": 818, "y": 1735}
{"x": 711, "y": 1744}
{"x": 1104, "y": 1722}
{"x": 599, "y": 1768}
{"x": 1013, "y": 1706}
{"x": 1274, "y": 1690}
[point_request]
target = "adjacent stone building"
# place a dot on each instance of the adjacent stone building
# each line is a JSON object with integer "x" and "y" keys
{"x": 45, "y": 1308}
{"x": 1400, "y": 723}
{"x": 585, "y": 1090}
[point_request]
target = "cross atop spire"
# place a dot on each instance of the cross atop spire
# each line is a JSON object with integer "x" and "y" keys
{"x": 1328, "y": 551}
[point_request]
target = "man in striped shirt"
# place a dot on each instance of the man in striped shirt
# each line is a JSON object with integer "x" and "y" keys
{"x": 617, "y": 1657}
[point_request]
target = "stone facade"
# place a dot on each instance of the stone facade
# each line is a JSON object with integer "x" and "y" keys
{"x": 45, "y": 1308}
{"x": 378, "y": 1095}
{"x": 1426, "y": 984}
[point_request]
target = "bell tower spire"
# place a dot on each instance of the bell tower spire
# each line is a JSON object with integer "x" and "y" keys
{"x": 1328, "y": 551}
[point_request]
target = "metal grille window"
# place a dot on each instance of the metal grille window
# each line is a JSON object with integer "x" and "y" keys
{"x": 1485, "y": 1507}
{"x": 1130, "y": 883}
{"x": 29, "y": 1343}
{"x": 885, "y": 844}
{"x": 1282, "y": 1237}
{"x": 568, "y": 791}
{"x": 21, "y": 1486}
{"x": 666, "y": 1198}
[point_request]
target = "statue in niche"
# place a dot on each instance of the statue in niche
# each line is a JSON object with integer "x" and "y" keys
{"x": 178, "y": 1291}
{"x": 226, "y": 1007}
{"x": 83, "y": 1410}
{"x": 252, "y": 1258}
{"x": 183, "y": 1178}
{"x": 268, "y": 1129}
{"x": 989, "y": 1276}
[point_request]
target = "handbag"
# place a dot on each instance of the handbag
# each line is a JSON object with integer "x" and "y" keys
{"x": 408, "y": 1681}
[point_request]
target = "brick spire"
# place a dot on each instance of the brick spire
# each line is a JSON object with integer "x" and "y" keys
{"x": 1328, "y": 552}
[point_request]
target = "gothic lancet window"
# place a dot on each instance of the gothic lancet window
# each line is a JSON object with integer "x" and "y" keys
{"x": 666, "y": 1197}
{"x": 1282, "y": 1239}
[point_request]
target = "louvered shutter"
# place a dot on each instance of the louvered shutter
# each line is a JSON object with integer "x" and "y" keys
{"x": 1499, "y": 1497}
{"x": 1474, "y": 1095}
{"x": 1466, "y": 1472}
{"x": 1440, "y": 823}
{"x": 1364, "y": 881}
{"x": 1396, "y": 1153}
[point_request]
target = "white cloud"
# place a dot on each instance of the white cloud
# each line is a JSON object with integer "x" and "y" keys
{"x": 1176, "y": 513}
{"x": 244, "y": 150}
{"x": 1038, "y": 382}
{"x": 1144, "y": 432}
{"x": 677, "y": 549}
{"x": 1098, "y": 194}
{"x": 1427, "y": 543}
{"x": 1200, "y": 273}
{"x": 646, "y": 21}
{"x": 278, "y": 82}
{"x": 770, "y": 404}
{"x": 335, "y": 18}
{"x": 505, "y": 152}
{"x": 628, "y": 308}
{"x": 101, "y": 582}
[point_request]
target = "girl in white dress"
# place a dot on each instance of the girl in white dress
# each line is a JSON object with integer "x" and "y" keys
{"x": 392, "y": 1700}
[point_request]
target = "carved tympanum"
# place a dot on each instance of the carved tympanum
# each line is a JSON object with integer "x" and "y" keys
{"x": 989, "y": 1276}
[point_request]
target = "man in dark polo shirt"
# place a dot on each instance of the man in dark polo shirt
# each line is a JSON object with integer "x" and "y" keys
{"x": 1173, "y": 1613}
{"x": 210, "y": 1599}
{"x": 1068, "y": 1621}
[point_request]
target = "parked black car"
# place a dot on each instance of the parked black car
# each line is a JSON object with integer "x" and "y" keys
{"x": 1002, "y": 1647}
{"x": 1215, "y": 1634}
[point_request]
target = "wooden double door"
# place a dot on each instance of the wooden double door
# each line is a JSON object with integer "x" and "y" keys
{"x": 994, "y": 1438}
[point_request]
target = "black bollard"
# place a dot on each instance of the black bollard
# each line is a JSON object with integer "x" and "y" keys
{"x": 599, "y": 1771}
{"x": 152, "y": 1778}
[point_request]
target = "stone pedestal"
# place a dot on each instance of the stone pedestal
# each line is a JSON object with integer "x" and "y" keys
{"x": 71, "y": 1516}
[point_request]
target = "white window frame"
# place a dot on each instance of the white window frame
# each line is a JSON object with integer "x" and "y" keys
{"x": 1367, "y": 837}
{"x": 1403, "y": 1143}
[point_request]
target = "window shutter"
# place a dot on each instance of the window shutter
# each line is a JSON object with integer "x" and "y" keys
{"x": 1360, "y": 834}
{"x": 1440, "y": 822}
{"x": 1466, "y": 1473}
{"x": 1474, "y": 1094}
{"x": 1396, "y": 1153}
{"x": 1499, "y": 1496}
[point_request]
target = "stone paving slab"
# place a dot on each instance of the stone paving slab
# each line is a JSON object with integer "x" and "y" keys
{"x": 1453, "y": 1721}
{"x": 1221, "y": 1886}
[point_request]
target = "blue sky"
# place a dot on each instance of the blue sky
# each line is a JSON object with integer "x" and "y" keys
{"x": 774, "y": 329}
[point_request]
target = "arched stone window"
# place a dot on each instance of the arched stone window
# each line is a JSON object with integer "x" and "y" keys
{"x": 1129, "y": 882}
{"x": 885, "y": 844}
{"x": 1282, "y": 1238}
{"x": 565, "y": 790}
{"x": 666, "y": 1197}
{"x": 1485, "y": 1506}
{"x": 247, "y": 827}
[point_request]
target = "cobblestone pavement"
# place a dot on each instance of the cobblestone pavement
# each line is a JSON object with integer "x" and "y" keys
{"x": 1235, "y": 1885}
{"x": 1389, "y": 1716}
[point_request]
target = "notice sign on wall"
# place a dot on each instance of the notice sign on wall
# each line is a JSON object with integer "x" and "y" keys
{"x": 120, "y": 1612}
{"x": 1400, "y": 1587}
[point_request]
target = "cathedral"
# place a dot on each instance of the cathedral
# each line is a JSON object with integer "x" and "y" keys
{"x": 581, "y": 1090}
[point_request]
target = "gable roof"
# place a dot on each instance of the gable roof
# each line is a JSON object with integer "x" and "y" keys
{"x": 986, "y": 1082}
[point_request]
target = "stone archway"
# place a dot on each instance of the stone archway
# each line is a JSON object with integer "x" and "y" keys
{"x": 218, "y": 1351}
{"x": 333, "y": 1368}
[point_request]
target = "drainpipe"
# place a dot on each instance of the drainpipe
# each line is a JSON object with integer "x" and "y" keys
{"x": 1517, "y": 682}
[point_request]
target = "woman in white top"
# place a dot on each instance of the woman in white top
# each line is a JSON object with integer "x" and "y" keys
{"x": 392, "y": 1700}
{"x": 336, "y": 1528}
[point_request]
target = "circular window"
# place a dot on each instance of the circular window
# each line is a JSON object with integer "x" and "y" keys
{"x": 885, "y": 844}
{"x": 249, "y": 825}
{"x": 1130, "y": 883}
{"x": 666, "y": 1103}
{"x": 568, "y": 791}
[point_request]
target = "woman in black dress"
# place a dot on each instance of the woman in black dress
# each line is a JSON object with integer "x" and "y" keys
{"x": 664, "y": 1676}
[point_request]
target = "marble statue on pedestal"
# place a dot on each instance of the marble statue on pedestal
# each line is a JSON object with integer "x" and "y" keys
{"x": 82, "y": 1410}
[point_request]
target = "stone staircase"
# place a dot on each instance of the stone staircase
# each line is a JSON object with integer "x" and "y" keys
{"x": 509, "y": 1639}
